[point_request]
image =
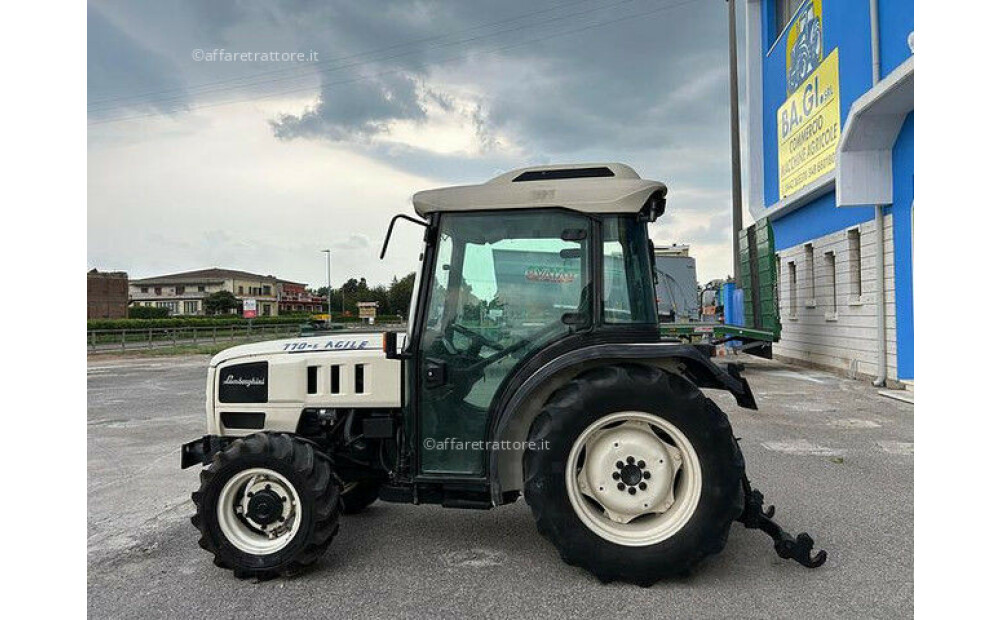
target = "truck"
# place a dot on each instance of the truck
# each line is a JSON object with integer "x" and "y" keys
{"x": 532, "y": 366}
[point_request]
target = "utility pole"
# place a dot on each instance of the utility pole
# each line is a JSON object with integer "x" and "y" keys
{"x": 329, "y": 288}
{"x": 734, "y": 140}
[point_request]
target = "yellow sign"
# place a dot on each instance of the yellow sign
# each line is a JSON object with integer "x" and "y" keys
{"x": 809, "y": 128}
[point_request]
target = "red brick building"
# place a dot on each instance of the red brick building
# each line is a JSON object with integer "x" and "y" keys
{"x": 293, "y": 297}
{"x": 107, "y": 294}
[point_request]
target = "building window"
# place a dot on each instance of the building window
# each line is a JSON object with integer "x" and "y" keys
{"x": 793, "y": 290}
{"x": 178, "y": 290}
{"x": 143, "y": 289}
{"x": 158, "y": 291}
{"x": 267, "y": 290}
{"x": 854, "y": 260}
{"x": 190, "y": 307}
{"x": 783, "y": 11}
{"x": 810, "y": 277}
{"x": 240, "y": 290}
{"x": 831, "y": 269}
{"x": 201, "y": 289}
{"x": 267, "y": 309}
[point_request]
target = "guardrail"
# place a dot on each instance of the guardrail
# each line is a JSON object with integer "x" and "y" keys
{"x": 106, "y": 340}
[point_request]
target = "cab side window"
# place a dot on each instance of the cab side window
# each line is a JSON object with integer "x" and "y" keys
{"x": 628, "y": 291}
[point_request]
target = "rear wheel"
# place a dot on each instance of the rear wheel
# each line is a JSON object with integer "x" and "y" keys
{"x": 267, "y": 504}
{"x": 637, "y": 475}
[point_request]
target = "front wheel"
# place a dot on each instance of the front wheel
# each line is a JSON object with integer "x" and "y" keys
{"x": 636, "y": 475}
{"x": 267, "y": 504}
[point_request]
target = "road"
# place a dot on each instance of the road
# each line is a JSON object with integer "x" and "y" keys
{"x": 834, "y": 456}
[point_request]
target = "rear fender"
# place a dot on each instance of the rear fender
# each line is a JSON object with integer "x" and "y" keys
{"x": 516, "y": 413}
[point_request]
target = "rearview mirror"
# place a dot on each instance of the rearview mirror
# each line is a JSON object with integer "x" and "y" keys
{"x": 392, "y": 223}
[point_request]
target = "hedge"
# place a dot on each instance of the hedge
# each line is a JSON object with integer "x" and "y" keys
{"x": 192, "y": 321}
{"x": 147, "y": 312}
{"x": 217, "y": 321}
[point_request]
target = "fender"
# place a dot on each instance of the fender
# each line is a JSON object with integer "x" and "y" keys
{"x": 687, "y": 360}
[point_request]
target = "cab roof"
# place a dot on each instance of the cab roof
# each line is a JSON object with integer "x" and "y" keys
{"x": 588, "y": 188}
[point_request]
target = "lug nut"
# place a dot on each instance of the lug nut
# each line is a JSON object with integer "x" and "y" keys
{"x": 641, "y": 464}
{"x": 631, "y": 490}
{"x": 642, "y": 485}
{"x": 647, "y": 475}
{"x": 630, "y": 460}
{"x": 619, "y": 464}
{"x": 621, "y": 486}
{"x": 616, "y": 475}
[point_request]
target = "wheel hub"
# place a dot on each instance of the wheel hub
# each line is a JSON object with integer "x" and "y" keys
{"x": 265, "y": 507}
{"x": 632, "y": 474}
{"x": 258, "y": 511}
{"x": 629, "y": 471}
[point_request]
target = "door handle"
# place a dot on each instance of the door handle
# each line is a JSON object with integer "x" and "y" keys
{"x": 434, "y": 374}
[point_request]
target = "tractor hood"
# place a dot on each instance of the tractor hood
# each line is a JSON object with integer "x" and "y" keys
{"x": 347, "y": 341}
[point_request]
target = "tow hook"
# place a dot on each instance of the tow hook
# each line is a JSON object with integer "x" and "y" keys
{"x": 755, "y": 517}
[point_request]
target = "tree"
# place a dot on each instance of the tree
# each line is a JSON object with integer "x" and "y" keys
{"x": 221, "y": 302}
{"x": 400, "y": 292}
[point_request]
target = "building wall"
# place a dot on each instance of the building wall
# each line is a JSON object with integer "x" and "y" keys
{"x": 895, "y": 25}
{"x": 267, "y": 303}
{"x": 189, "y": 302}
{"x": 902, "y": 210}
{"x": 107, "y": 295}
{"x": 841, "y": 335}
{"x": 849, "y": 342}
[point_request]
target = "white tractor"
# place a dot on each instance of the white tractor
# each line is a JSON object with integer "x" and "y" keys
{"x": 532, "y": 365}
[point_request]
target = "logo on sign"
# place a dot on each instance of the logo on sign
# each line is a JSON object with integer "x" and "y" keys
{"x": 249, "y": 308}
{"x": 542, "y": 274}
{"x": 243, "y": 381}
{"x": 804, "y": 46}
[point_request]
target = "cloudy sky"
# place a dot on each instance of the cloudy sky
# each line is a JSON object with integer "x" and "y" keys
{"x": 198, "y": 159}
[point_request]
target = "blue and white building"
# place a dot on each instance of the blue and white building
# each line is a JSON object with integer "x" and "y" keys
{"x": 829, "y": 113}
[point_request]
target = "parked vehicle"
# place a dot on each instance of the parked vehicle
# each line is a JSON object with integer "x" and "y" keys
{"x": 532, "y": 366}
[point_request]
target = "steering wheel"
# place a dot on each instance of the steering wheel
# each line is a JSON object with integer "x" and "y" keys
{"x": 471, "y": 366}
{"x": 502, "y": 351}
{"x": 480, "y": 339}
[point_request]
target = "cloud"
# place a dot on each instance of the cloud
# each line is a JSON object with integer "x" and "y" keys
{"x": 354, "y": 241}
{"x": 122, "y": 72}
{"x": 355, "y": 111}
{"x": 407, "y": 94}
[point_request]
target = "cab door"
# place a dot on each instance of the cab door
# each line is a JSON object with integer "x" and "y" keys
{"x": 504, "y": 285}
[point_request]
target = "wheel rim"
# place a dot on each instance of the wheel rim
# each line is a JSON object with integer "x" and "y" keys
{"x": 634, "y": 478}
{"x": 259, "y": 511}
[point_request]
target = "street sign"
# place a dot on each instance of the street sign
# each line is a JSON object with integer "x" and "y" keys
{"x": 367, "y": 311}
{"x": 249, "y": 308}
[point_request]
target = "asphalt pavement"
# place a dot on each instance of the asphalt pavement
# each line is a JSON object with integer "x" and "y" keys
{"x": 834, "y": 456}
